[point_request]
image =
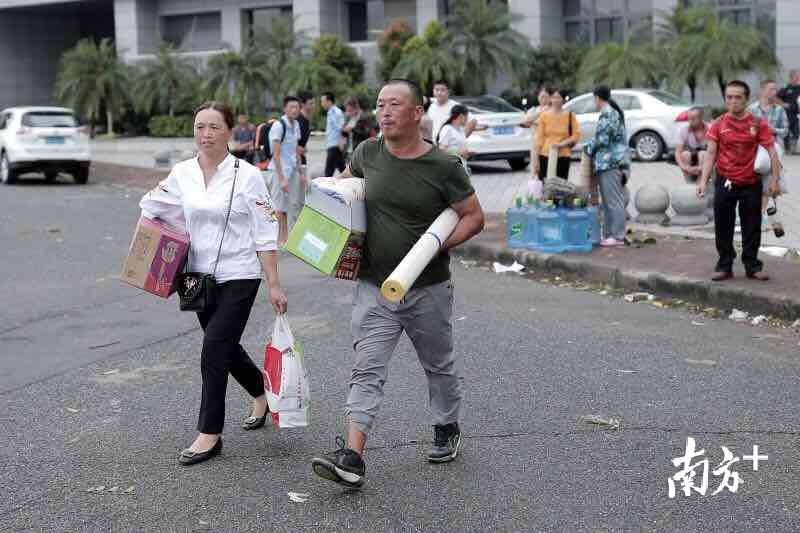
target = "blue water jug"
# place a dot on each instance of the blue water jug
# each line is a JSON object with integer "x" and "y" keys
{"x": 550, "y": 222}
{"x": 594, "y": 228}
{"x": 515, "y": 222}
{"x": 531, "y": 237}
{"x": 578, "y": 224}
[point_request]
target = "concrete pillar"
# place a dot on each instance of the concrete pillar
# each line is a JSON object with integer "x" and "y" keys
{"x": 427, "y": 12}
{"x": 307, "y": 17}
{"x": 540, "y": 22}
{"x": 232, "y": 28}
{"x": 787, "y": 35}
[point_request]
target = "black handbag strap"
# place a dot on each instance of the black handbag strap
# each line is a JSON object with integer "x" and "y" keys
{"x": 227, "y": 216}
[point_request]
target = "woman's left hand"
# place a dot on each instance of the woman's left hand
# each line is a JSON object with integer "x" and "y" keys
{"x": 278, "y": 299}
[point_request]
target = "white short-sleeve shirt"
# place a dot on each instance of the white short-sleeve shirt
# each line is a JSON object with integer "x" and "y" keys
{"x": 439, "y": 114}
{"x": 183, "y": 200}
{"x": 452, "y": 139}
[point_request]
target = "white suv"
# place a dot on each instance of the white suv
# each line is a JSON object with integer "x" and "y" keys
{"x": 43, "y": 139}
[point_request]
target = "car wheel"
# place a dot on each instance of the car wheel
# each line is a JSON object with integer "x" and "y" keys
{"x": 7, "y": 174}
{"x": 51, "y": 176}
{"x": 648, "y": 146}
{"x": 81, "y": 175}
{"x": 518, "y": 163}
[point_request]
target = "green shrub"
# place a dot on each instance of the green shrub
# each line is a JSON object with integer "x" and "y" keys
{"x": 166, "y": 126}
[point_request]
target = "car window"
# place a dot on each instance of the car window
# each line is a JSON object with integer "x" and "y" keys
{"x": 49, "y": 119}
{"x": 667, "y": 98}
{"x": 3, "y": 120}
{"x": 492, "y": 104}
{"x": 583, "y": 105}
{"x": 628, "y": 102}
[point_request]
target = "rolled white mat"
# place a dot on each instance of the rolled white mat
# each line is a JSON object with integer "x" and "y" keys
{"x": 552, "y": 161}
{"x": 421, "y": 254}
{"x": 584, "y": 178}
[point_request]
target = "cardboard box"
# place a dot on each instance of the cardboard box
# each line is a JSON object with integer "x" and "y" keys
{"x": 156, "y": 256}
{"x": 329, "y": 234}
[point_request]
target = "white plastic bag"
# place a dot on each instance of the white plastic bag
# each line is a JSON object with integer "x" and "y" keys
{"x": 286, "y": 379}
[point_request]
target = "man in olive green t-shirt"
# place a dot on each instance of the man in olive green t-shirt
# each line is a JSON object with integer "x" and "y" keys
{"x": 409, "y": 183}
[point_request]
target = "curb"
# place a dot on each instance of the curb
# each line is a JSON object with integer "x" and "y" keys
{"x": 692, "y": 290}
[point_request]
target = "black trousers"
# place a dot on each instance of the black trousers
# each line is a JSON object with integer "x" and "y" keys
{"x": 562, "y": 167}
{"x": 334, "y": 161}
{"x": 748, "y": 200}
{"x": 222, "y": 354}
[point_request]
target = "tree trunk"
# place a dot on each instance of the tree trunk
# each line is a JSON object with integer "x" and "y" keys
{"x": 109, "y": 122}
{"x": 721, "y": 83}
{"x": 691, "y": 81}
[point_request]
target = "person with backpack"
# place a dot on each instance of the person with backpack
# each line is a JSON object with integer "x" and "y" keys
{"x": 285, "y": 186}
{"x": 559, "y": 128}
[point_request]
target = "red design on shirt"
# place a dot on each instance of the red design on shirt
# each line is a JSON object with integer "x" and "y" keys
{"x": 737, "y": 145}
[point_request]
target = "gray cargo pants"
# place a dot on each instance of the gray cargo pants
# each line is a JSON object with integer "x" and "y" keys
{"x": 425, "y": 315}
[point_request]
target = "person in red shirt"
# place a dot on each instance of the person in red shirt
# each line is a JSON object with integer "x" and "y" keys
{"x": 733, "y": 142}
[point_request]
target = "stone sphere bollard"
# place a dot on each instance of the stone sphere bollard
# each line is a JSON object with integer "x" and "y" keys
{"x": 162, "y": 158}
{"x": 690, "y": 209}
{"x": 652, "y": 202}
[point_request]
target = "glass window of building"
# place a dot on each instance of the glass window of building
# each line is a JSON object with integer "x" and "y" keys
{"x": 193, "y": 33}
{"x": 261, "y": 19}
{"x": 607, "y": 20}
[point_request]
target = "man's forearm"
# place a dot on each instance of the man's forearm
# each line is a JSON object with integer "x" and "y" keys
{"x": 467, "y": 227}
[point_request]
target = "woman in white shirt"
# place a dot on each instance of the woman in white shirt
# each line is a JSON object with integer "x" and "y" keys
{"x": 452, "y": 137}
{"x": 196, "y": 195}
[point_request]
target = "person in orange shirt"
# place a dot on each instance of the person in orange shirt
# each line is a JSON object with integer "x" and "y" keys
{"x": 556, "y": 128}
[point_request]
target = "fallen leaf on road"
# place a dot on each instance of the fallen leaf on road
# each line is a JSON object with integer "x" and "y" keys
{"x": 612, "y": 423}
{"x": 72, "y": 410}
{"x": 702, "y": 362}
{"x": 298, "y": 497}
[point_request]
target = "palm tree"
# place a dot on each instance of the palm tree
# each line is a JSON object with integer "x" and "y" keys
{"x": 280, "y": 49}
{"x": 428, "y": 58}
{"x": 159, "y": 82}
{"x": 308, "y": 74}
{"x": 676, "y": 33}
{"x": 238, "y": 78}
{"x": 91, "y": 77}
{"x": 730, "y": 49}
{"x": 621, "y": 65}
{"x": 482, "y": 33}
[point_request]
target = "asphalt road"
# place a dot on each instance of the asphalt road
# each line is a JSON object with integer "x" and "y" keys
{"x": 100, "y": 383}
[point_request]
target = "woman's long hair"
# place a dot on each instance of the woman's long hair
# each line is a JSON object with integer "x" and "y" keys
{"x": 456, "y": 112}
{"x": 603, "y": 92}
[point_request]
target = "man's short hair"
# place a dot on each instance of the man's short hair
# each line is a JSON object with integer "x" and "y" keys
{"x": 441, "y": 82}
{"x": 697, "y": 109}
{"x": 416, "y": 92}
{"x": 330, "y": 96}
{"x": 305, "y": 96}
{"x": 290, "y": 99}
{"x": 741, "y": 84}
{"x": 764, "y": 83}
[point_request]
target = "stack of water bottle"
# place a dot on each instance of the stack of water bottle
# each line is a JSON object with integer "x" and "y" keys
{"x": 543, "y": 226}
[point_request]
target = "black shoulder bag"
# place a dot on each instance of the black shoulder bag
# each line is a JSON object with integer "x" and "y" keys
{"x": 198, "y": 291}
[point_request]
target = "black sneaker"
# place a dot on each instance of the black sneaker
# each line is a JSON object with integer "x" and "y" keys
{"x": 446, "y": 443}
{"x": 344, "y": 466}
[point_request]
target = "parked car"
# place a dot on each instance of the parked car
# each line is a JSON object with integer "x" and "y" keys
{"x": 652, "y": 119}
{"x": 503, "y": 137}
{"x": 43, "y": 139}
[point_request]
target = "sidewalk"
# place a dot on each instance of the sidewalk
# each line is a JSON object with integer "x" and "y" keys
{"x": 676, "y": 266}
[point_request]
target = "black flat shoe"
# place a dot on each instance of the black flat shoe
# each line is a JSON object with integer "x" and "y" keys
{"x": 252, "y": 422}
{"x": 189, "y": 457}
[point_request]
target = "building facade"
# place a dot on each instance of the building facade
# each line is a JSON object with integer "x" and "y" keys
{"x": 34, "y": 33}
